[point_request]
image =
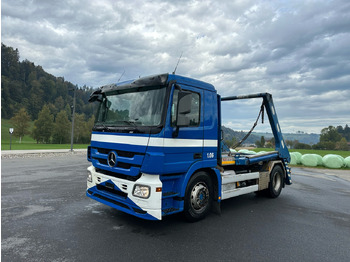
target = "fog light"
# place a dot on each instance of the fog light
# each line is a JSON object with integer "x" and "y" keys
{"x": 141, "y": 191}
{"x": 89, "y": 178}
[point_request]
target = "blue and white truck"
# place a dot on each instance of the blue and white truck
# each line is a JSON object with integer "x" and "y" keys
{"x": 156, "y": 149}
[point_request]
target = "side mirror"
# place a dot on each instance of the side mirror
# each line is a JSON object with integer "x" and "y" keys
{"x": 184, "y": 102}
{"x": 183, "y": 108}
{"x": 96, "y": 96}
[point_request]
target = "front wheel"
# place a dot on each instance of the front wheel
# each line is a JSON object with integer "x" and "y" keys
{"x": 276, "y": 182}
{"x": 198, "y": 197}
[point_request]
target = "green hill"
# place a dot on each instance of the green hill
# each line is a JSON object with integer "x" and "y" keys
{"x": 24, "y": 84}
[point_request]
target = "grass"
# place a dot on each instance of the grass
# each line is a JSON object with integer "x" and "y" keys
{"x": 28, "y": 143}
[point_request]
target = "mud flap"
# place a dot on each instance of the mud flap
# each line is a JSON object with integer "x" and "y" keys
{"x": 216, "y": 207}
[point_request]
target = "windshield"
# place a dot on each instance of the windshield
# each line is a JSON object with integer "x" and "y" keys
{"x": 142, "y": 107}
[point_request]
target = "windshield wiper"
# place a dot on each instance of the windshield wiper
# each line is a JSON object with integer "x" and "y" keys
{"x": 103, "y": 127}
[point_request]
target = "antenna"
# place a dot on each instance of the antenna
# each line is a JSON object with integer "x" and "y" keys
{"x": 178, "y": 61}
{"x": 121, "y": 76}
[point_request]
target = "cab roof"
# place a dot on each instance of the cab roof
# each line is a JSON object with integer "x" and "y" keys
{"x": 160, "y": 79}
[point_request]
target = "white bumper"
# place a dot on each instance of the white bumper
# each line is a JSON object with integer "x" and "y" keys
{"x": 152, "y": 205}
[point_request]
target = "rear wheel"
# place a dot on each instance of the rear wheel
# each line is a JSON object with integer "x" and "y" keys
{"x": 198, "y": 197}
{"x": 276, "y": 182}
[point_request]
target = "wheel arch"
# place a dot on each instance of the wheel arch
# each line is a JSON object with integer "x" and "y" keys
{"x": 214, "y": 176}
{"x": 280, "y": 163}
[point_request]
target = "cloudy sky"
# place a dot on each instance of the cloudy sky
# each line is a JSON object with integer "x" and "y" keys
{"x": 297, "y": 50}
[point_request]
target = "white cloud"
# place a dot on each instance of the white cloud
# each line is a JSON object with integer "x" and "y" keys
{"x": 296, "y": 50}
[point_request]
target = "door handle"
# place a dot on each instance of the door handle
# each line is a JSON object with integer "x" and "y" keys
{"x": 197, "y": 156}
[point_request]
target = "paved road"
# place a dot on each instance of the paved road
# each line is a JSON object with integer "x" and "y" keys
{"x": 46, "y": 217}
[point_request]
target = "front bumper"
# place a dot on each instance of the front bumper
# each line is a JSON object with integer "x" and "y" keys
{"x": 117, "y": 193}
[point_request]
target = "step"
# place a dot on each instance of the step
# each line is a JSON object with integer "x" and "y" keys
{"x": 231, "y": 177}
{"x": 238, "y": 191}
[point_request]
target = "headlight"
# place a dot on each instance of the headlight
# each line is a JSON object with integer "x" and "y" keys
{"x": 141, "y": 191}
{"x": 89, "y": 178}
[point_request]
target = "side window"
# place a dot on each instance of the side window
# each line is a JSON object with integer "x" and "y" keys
{"x": 194, "y": 115}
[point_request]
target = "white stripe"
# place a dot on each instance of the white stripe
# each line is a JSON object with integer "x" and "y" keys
{"x": 177, "y": 142}
{"x": 130, "y": 140}
{"x": 154, "y": 141}
{"x": 210, "y": 143}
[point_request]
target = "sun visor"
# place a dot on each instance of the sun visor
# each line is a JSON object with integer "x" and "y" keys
{"x": 154, "y": 80}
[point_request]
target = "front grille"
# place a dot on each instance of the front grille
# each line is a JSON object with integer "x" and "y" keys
{"x": 102, "y": 161}
{"x": 119, "y": 152}
{"x": 112, "y": 191}
{"x": 117, "y": 175}
{"x": 119, "y": 164}
{"x": 127, "y": 163}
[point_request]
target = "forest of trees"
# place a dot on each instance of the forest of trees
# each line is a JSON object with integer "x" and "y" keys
{"x": 28, "y": 93}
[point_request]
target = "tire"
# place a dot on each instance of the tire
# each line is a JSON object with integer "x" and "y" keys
{"x": 198, "y": 197}
{"x": 276, "y": 182}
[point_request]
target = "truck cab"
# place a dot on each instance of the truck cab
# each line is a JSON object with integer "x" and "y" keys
{"x": 156, "y": 150}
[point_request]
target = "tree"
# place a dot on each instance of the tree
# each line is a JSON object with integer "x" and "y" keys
{"x": 330, "y": 134}
{"x": 59, "y": 103}
{"x": 87, "y": 132}
{"x": 342, "y": 144}
{"x": 347, "y": 133}
{"x": 35, "y": 99}
{"x": 270, "y": 143}
{"x": 20, "y": 123}
{"x": 292, "y": 143}
{"x": 43, "y": 126}
{"x": 9, "y": 61}
{"x": 262, "y": 141}
{"x": 302, "y": 146}
{"x": 79, "y": 127}
{"x": 324, "y": 145}
{"x": 61, "y": 133}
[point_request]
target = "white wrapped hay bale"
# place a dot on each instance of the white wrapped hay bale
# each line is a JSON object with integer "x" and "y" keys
{"x": 293, "y": 159}
{"x": 298, "y": 157}
{"x": 309, "y": 160}
{"x": 244, "y": 151}
{"x": 319, "y": 159}
{"x": 333, "y": 161}
{"x": 342, "y": 159}
{"x": 251, "y": 152}
{"x": 347, "y": 161}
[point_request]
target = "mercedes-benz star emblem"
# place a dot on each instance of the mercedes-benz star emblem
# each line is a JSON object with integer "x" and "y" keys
{"x": 112, "y": 159}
